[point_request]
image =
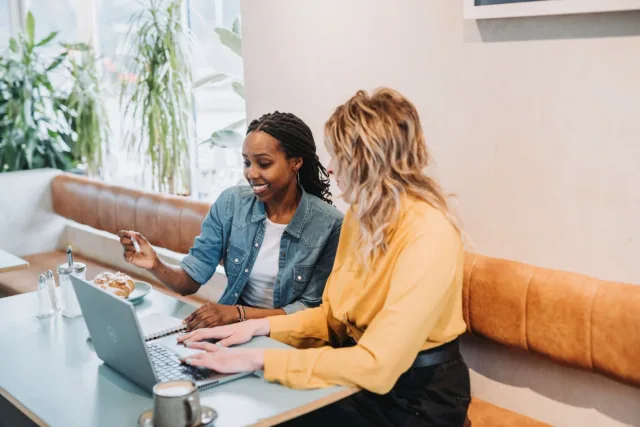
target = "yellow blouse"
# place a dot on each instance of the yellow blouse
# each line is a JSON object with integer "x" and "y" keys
{"x": 410, "y": 300}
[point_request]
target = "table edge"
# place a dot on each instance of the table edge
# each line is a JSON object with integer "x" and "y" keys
{"x": 15, "y": 267}
{"x": 26, "y": 411}
{"x": 304, "y": 409}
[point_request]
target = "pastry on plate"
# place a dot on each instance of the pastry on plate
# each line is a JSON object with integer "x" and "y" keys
{"x": 119, "y": 284}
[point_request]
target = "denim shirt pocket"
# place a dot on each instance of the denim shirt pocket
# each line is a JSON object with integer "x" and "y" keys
{"x": 235, "y": 259}
{"x": 301, "y": 277}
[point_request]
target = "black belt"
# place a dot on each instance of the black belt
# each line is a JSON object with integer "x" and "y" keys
{"x": 437, "y": 355}
{"x": 433, "y": 356}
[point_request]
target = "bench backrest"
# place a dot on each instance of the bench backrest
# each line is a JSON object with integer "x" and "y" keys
{"x": 167, "y": 221}
{"x": 571, "y": 318}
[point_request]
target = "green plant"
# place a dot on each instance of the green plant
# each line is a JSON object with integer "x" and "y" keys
{"x": 85, "y": 110}
{"x": 157, "y": 105}
{"x": 33, "y": 129}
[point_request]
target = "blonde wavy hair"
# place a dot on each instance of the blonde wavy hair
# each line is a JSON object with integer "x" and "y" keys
{"x": 379, "y": 151}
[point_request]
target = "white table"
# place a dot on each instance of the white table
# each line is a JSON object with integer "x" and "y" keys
{"x": 52, "y": 375}
{"x": 9, "y": 262}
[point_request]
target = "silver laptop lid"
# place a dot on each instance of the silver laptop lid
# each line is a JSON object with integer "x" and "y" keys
{"x": 115, "y": 333}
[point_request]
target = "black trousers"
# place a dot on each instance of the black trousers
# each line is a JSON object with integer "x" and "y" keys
{"x": 436, "y": 395}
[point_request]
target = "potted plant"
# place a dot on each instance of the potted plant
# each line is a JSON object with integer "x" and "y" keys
{"x": 33, "y": 129}
{"x": 157, "y": 101}
{"x": 85, "y": 110}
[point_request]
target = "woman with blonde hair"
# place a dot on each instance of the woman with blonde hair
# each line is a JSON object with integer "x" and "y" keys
{"x": 391, "y": 311}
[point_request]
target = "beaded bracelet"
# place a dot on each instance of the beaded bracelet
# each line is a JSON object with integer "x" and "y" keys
{"x": 241, "y": 314}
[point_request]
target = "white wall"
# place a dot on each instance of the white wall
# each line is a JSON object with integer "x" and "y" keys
{"x": 533, "y": 123}
{"x": 540, "y": 140}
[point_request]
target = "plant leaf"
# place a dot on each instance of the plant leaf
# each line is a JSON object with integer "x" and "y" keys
{"x": 225, "y": 138}
{"x": 47, "y": 39}
{"x": 31, "y": 27}
{"x": 230, "y": 40}
{"x": 83, "y": 47}
{"x": 13, "y": 45}
{"x": 235, "y": 125}
{"x": 236, "y": 26}
{"x": 56, "y": 62}
{"x": 238, "y": 87}
{"x": 210, "y": 79}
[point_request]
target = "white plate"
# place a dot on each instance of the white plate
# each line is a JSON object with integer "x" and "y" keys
{"x": 141, "y": 289}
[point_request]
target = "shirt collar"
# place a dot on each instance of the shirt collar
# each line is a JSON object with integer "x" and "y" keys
{"x": 299, "y": 219}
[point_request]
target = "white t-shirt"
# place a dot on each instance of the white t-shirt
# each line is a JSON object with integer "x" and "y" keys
{"x": 258, "y": 291}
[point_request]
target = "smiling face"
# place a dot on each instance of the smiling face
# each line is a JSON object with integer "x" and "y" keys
{"x": 267, "y": 168}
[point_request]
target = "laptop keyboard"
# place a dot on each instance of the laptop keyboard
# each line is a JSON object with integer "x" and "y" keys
{"x": 169, "y": 368}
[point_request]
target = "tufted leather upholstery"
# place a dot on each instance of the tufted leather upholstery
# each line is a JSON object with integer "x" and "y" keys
{"x": 170, "y": 222}
{"x": 573, "y": 319}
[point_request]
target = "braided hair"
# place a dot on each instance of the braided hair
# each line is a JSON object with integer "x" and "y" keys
{"x": 296, "y": 139}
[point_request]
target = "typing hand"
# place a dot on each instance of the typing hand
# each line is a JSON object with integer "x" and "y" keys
{"x": 228, "y": 335}
{"x": 211, "y": 315}
{"x": 226, "y": 360}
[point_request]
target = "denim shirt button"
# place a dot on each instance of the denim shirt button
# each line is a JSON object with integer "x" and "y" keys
{"x": 246, "y": 270}
{"x": 299, "y": 278}
{"x": 236, "y": 260}
{"x": 235, "y": 295}
{"x": 282, "y": 253}
{"x": 256, "y": 245}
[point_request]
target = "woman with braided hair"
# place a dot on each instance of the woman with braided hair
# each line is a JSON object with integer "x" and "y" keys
{"x": 277, "y": 237}
{"x": 391, "y": 312}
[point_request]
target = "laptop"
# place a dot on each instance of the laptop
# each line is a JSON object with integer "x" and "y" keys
{"x": 118, "y": 341}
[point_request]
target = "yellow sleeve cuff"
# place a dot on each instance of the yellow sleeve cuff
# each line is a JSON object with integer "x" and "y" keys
{"x": 275, "y": 364}
{"x": 278, "y": 327}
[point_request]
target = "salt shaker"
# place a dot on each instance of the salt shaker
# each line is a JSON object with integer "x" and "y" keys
{"x": 45, "y": 307}
{"x": 65, "y": 271}
{"x": 51, "y": 286}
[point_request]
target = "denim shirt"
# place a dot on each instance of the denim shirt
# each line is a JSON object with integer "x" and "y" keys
{"x": 233, "y": 230}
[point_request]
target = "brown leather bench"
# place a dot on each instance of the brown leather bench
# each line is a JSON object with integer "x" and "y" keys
{"x": 169, "y": 222}
{"x": 569, "y": 318}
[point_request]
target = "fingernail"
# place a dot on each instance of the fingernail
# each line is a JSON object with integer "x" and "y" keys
{"x": 188, "y": 344}
{"x": 189, "y": 361}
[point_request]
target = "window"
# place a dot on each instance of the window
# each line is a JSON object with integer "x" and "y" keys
{"x": 5, "y": 25}
{"x": 216, "y": 106}
{"x": 55, "y": 15}
{"x": 113, "y": 26}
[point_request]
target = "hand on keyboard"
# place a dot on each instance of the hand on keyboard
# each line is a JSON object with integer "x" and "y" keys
{"x": 168, "y": 366}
